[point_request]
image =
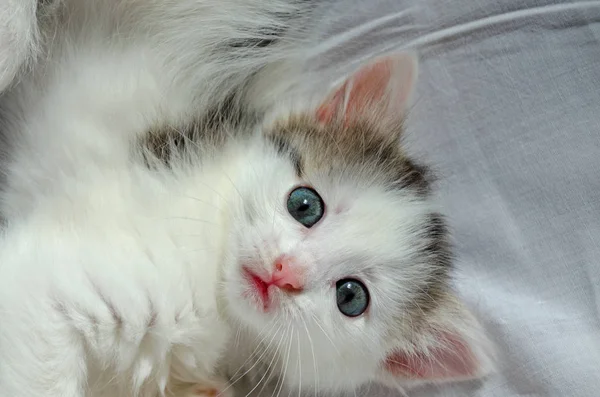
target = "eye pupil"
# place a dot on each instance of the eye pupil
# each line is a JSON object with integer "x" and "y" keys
{"x": 352, "y": 297}
{"x": 348, "y": 298}
{"x": 305, "y": 206}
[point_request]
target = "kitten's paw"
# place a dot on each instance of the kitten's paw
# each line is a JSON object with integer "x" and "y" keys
{"x": 217, "y": 389}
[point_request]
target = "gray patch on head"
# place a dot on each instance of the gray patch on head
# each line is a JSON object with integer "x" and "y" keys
{"x": 224, "y": 121}
{"x": 284, "y": 148}
{"x": 436, "y": 252}
{"x": 358, "y": 150}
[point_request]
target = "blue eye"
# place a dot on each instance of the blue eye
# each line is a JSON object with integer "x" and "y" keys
{"x": 352, "y": 297}
{"x": 306, "y": 206}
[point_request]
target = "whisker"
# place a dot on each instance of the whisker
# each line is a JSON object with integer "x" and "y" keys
{"x": 276, "y": 358}
{"x": 185, "y": 218}
{"x": 299, "y": 369}
{"x": 265, "y": 350}
{"x": 212, "y": 189}
{"x": 236, "y": 342}
{"x": 268, "y": 367}
{"x": 233, "y": 185}
{"x": 312, "y": 350}
{"x": 258, "y": 346}
{"x": 325, "y": 333}
{"x": 202, "y": 201}
{"x": 287, "y": 359}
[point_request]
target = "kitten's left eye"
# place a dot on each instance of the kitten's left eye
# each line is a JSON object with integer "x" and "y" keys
{"x": 352, "y": 297}
{"x": 306, "y": 206}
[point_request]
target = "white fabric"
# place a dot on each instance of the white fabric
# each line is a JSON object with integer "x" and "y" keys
{"x": 508, "y": 110}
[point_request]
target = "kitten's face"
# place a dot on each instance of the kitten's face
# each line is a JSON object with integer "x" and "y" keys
{"x": 337, "y": 261}
{"x": 335, "y": 249}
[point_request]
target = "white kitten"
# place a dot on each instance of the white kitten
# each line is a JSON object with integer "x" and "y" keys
{"x": 148, "y": 250}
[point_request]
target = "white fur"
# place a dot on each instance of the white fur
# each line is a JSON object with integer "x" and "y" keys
{"x": 18, "y": 34}
{"x": 132, "y": 64}
{"x": 103, "y": 291}
{"x": 127, "y": 280}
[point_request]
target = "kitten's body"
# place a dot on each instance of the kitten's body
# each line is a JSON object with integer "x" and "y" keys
{"x": 122, "y": 264}
{"x": 108, "y": 71}
{"x": 132, "y": 65}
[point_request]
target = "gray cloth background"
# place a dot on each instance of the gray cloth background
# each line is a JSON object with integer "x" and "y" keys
{"x": 508, "y": 110}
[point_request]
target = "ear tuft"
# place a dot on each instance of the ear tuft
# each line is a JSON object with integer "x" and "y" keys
{"x": 452, "y": 346}
{"x": 450, "y": 358}
{"x": 380, "y": 89}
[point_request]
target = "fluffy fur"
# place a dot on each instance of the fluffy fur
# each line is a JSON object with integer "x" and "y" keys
{"x": 18, "y": 35}
{"x": 140, "y": 180}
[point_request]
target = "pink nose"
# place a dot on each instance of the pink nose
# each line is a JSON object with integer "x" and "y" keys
{"x": 286, "y": 275}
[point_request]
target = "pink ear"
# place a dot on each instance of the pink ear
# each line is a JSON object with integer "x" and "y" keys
{"x": 451, "y": 358}
{"x": 380, "y": 89}
{"x": 450, "y": 345}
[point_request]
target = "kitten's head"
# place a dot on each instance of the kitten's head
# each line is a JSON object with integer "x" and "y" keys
{"x": 338, "y": 261}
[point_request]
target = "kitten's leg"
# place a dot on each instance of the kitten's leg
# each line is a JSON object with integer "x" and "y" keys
{"x": 18, "y": 34}
{"x": 41, "y": 356}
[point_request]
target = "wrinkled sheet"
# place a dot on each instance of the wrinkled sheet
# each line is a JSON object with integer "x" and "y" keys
{"x": 508, "y": 111}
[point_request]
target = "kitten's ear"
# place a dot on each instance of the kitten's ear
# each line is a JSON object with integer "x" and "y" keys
{"x": 451, "y": 346}
{"x": 380, "y": 89}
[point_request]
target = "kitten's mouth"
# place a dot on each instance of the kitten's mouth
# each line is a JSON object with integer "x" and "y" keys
{"x": 260, "y": 287}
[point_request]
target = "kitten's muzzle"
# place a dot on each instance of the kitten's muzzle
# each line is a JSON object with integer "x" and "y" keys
{"x": 286, "y": 277}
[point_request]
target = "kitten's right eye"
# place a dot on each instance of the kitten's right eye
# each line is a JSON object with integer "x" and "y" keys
{"x": 352, "y": 297}
{"x": 306, "y": 206}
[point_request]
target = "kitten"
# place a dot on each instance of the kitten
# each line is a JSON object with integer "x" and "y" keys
{"x": 314, "y": 238}
{"x": 152, "y": 250}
